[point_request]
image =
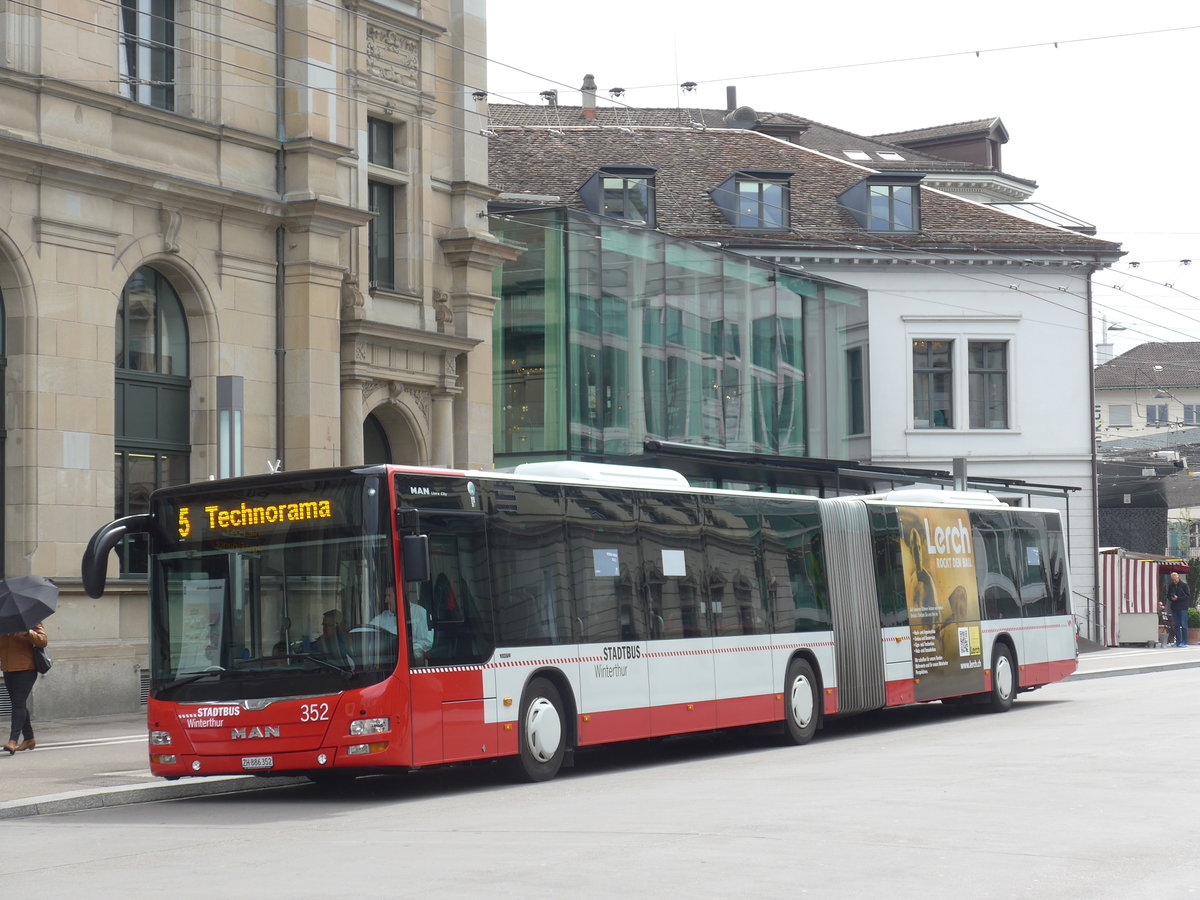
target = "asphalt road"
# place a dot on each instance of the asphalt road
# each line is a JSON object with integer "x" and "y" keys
{"x": 1081, "y": 791}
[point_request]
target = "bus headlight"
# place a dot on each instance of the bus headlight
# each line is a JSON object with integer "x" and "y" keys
{"x": 370, "y": 726}
{"x": 160, "y": 738}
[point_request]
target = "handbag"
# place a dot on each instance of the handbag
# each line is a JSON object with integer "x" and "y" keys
{"x": 41, "y": 660}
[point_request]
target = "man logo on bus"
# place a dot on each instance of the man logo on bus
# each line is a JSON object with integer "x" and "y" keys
{"x": 268, "y": 731}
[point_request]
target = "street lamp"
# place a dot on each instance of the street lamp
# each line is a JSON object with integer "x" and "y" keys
{"x": 1104, "y": 350}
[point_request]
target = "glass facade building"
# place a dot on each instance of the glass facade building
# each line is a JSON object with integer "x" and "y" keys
{"x": 609, "y": 335}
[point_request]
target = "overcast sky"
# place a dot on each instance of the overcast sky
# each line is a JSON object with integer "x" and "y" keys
{"x": 1106, "y": 122}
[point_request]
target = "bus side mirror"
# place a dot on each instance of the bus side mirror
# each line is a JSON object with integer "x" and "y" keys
{"x": 95, "y": 557}
{"x": 414, "y": 557}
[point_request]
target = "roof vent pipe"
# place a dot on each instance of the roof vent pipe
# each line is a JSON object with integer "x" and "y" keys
{"x": 589, "y": 96}
{"x": 730, "y": 98}
{"x": 742, "y": 117}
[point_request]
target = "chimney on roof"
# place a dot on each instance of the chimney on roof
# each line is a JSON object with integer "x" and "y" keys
{"x": 589, "y": 96}
{"x": 730, "y": 98}
{"x": 550, "y": 96}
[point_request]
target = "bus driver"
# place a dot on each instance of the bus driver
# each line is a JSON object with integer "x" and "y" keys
{"x": 422, "y": 634}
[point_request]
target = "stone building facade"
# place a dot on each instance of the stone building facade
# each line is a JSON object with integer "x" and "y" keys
{"x": 231, "y": 238}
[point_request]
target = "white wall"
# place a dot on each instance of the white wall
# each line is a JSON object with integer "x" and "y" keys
{"x": 1041, "y": 311}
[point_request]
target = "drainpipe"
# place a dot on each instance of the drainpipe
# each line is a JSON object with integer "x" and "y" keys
{"x": 280, "y": 234}
{"x": 1096, "y": 626}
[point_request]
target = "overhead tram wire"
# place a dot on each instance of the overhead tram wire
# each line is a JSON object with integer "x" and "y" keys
{"x": 423, "y": 93}
{"x": 907, "y": 59}
{"x": 629, "y": 106}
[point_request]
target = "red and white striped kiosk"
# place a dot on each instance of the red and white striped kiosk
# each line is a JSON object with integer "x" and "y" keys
{"x": 1131, "y": 584}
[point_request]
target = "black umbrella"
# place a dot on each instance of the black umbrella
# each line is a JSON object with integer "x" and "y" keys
{"x": 25, "y": 600}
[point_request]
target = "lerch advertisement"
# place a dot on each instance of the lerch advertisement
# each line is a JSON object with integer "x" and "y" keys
{"x": 943, "y": 602}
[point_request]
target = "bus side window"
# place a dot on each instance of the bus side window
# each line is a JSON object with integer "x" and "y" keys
{"x": 796, "y": 534}
{"x": 889, "y": 567}
{"x": 461, "y": 601}
{"x": 992, "y": 537}
{"x": 733, "y": 555}
{"x": 529, "y": 564}
{"x": 673, "y": 562}
{"x": 604, "y": 566}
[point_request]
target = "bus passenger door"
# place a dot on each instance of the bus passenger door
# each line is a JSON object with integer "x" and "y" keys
{"x": 1033, "y": 659}
{"x": 610, "y": 614}
{"x": 681, "y": 669}
{"x": 448, "y": 637}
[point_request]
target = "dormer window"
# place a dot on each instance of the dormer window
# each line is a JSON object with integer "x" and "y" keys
{"x": 886, "y": 202}
{"x": 621, "y": 192}
{"x": 755, "y": 199}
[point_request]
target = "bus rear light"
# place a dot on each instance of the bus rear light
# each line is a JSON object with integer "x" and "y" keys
{"x": 363, "y": 749}
{"x": 370, "y": 726}
{"x": 163, "y": 759}
{"x": 160, "y": 738}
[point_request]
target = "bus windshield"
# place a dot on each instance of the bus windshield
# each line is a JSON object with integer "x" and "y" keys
{"x": 272, "y": 593}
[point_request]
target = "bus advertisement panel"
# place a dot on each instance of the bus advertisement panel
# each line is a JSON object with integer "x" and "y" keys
{"x": 943, "y": 602}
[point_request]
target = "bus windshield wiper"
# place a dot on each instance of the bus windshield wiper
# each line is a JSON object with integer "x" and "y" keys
{"x": 210, "y": 672}
{"x": 322, "y": 661}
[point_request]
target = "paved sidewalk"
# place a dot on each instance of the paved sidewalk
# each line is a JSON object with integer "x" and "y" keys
{"x": 86, "y": 763}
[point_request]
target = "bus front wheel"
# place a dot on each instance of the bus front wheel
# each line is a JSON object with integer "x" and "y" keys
{"x": 1004, "y": 679}
{"x": 801, "y": 702}
{"x": 542, "y": 732}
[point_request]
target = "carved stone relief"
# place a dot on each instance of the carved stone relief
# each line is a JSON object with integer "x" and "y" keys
{"x": 392, "y": 57}
{"x": 171, "y": 219}
{"x": 442, "y": 313}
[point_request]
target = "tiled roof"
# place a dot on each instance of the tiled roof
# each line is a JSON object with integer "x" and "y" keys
{"x": 1179, "y": 361}
{"x": 691, "y": 162}
{"x": 812, "y": 134}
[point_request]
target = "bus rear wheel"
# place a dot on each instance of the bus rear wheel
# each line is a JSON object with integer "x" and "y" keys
{"x": 1004, "y": 679}
{"x": 541, "y": 732}
{"x": 801, "y": 702}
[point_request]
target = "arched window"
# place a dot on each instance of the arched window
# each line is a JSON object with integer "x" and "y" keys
{"x": 152, "y": 400}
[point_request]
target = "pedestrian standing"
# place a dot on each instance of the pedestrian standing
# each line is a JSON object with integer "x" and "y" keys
{"x": 16, "y": 661}
{"x": 1180, "y": 598}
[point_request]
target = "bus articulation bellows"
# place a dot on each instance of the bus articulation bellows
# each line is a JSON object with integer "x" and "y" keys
{"x": 380, "y": 618}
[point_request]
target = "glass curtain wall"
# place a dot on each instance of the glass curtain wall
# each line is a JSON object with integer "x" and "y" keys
{"x": 607, "y": 336}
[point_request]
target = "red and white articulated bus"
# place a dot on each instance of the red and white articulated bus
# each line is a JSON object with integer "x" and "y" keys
{"x": 382, "y": 618}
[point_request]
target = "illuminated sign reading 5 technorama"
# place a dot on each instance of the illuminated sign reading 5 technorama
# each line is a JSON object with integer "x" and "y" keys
{"x": 220, "y": 518}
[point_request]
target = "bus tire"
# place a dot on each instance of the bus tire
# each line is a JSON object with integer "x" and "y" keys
{"x": 1004, "y": 679}
{"x": 541, "y": 732}
{"x": 801, "y": 702}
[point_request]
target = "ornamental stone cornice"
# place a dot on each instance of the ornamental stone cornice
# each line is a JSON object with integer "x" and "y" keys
{"x": 323, "y": 216}
{"x": 377, "y": 352}
{"x": 477, "y": 249}
{"x": 395, "y": 13}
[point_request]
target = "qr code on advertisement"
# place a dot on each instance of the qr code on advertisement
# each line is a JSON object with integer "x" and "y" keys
{"x": 964, "y": 641}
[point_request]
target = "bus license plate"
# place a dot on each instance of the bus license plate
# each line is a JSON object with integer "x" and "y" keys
{"x": 257, "y": 762}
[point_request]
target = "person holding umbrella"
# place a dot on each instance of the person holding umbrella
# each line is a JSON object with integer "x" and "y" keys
{"x": 24, "y": 602}
{"x": 16, "y": 659}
